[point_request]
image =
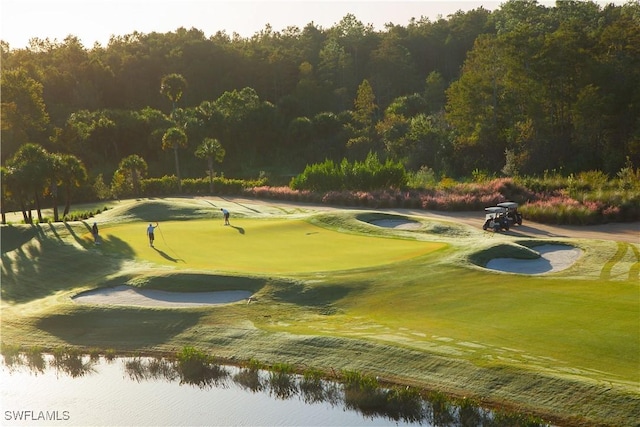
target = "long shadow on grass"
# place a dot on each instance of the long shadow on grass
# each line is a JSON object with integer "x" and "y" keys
{"x": 54, "y": 231}
{"x": 81, "y": 241}
{"x": 240, "y": 229}
{"x": 118, "y": 328}
{"x": 312, "y": 295}
{"x": 36, "y": 270}
{"x": 117, "y": 246}
{"x": 12, "y": 237}
{"x": 166, "y": 256}
{"x": 73, "y": 233}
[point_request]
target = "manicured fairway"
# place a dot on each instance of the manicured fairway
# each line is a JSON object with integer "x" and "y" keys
{"x": 263, "y": 246}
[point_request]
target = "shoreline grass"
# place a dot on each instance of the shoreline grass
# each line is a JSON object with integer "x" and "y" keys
{"x": 432, "y": 319}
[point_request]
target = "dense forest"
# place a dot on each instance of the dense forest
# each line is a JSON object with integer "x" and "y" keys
{"x": 518, "y": 91}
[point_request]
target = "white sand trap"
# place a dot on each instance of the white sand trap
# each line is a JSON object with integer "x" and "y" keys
{"x": 552, "y": 258}
{"x": 127, "y": 295}
{"x": 400, "y": 224}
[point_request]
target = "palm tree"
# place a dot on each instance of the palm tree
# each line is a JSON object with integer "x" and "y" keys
{"x": 175, "y": 138}
{"x": 55, "y": 171}
{"x": 31, "y": 166}
{"x": 173, "y": 86}
{"x": 135, "y": 167}
{"x": 14, "y": 185}
{"x": 73, "y": 174}
{"x": 211, "y": 149}
{"x": 4, "y": 174}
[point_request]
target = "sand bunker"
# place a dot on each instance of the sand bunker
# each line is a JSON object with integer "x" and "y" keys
{"x": 552, "y": 258}
{"x": 400, "y": 224}
{"x": 127, "y": 295}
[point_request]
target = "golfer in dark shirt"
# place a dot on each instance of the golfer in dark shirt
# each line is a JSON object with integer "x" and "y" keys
{"x": 94, "y": 231}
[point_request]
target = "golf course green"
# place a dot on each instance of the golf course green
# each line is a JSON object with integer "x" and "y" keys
{"x": 264, "y": 246}
{"x": 337, "y": 289}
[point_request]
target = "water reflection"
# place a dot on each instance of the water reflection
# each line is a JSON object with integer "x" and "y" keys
{"x": 146, "y": 369}
{"x": 74, "y": 364}
{"x": 364, "y": 394}
{"x": 354, "y": 392}
{"x": 249, "y": 379}
{"x": 36, "y": 361}
{"x": 314, "y": 389}
{"x": 70, "y": 363}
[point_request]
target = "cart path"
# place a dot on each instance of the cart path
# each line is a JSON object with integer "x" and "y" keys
{"x": 620, "y": 231}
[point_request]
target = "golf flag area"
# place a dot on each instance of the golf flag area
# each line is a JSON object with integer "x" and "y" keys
{"x": 265, "y": 246}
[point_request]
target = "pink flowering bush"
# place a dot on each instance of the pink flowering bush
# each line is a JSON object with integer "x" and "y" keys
{"x": 548, "y": 204}
{"x": 561, "y": 209}
{"x": 281, "y": 193}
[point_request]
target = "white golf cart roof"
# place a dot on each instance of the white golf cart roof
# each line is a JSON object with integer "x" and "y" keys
{"x": 495, "y": 209}
{"x": 508, "y": 205}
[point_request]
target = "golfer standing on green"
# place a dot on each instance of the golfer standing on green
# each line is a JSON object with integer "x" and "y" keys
{"x": 150, "y": 229}
{"x": 226, "y": 216}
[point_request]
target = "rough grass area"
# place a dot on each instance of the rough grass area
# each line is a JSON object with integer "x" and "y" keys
{"x": 335, "y": 292}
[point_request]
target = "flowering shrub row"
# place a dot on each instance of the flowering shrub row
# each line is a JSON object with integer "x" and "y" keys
{"x": 410, "y": 199}
{"x": 565, "y": 210}
{"x": 556, "y": 206}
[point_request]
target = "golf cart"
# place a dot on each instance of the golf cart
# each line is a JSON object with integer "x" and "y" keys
{"x": 513, "y": 215}
{"x": 496, "y": 219}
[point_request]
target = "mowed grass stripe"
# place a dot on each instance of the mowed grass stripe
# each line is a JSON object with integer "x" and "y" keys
{"x": 263, "y": 246}
{"x": 605, "y": 274}
{"x": 634, "y": 271}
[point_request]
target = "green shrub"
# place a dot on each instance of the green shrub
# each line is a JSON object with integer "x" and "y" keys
{"x": 354, "y": 380}
{"x": 191, "y": 355}
{"x": 422, "y": 179}
{"x": 312, "y": 375}
{"x": 255, "y": 364}
{"x": 319, "y": 177}
{"x": 628, "y": 177}
{"x": 100, "y": 189}
{"x": 152, "y": 187}
{"x": 368, "y": 175}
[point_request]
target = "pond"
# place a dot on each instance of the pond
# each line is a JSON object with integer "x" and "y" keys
{"x": 73, "y": 390}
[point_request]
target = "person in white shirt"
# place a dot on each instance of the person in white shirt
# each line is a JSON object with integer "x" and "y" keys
{"x": 226, "y": 216}
{"x": 150, "y": 230}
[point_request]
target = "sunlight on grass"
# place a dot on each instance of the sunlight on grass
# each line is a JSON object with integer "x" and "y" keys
{"x": 264, "y": 246}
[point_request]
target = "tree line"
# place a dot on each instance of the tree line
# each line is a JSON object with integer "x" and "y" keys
{"x": 520, "y": 90}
